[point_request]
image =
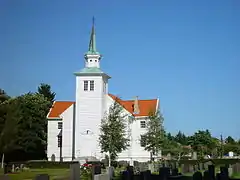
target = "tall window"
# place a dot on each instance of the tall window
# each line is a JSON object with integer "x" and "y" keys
{"x": 143, "y": 141}
{"x": 85, "y": 86}
{"x": 60, "y": 125}
{"x": 143, "y": 124}
{"x": 91, "y": 85}
{"x": 59, "y": 141}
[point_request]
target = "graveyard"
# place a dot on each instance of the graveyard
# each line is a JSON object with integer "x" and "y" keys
{"x": 219, "y": 169}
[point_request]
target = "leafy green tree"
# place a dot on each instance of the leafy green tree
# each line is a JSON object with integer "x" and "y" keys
{"x": 203, "y": 143}
{"x": 9, "y": 122}
{"x": 177, "y": 150}
{"x": 181, "y": 138}
{"x": 25, "y": 117}
{"x": 231, "y": 148}
{"x": 229, "y": 140}
{"x": 3, "y": 96}
{"x": 45, "y": 90}
{"x": 154, "y": 139}
{"x": 113, "y": 134}
{"x": 170, "y": 137}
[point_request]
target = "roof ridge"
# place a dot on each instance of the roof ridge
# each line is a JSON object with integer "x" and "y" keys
{"x": 64, "y": 101}
{"x": 141, "y": 100}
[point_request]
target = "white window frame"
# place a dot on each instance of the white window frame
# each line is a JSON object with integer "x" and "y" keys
{"x": 91, "y": 84}
{"x": 85, "y": 85}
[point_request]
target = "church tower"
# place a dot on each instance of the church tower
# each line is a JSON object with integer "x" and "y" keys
{"x": 91, "y": 94}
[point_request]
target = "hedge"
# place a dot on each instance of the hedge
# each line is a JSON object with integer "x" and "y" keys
{"x": 42, "y": 164}
{"x": 213, "y": 161}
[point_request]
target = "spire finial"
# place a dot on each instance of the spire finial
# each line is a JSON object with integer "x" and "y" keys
{"x": 92, "y": 44}
{"x": 93, "y": 21}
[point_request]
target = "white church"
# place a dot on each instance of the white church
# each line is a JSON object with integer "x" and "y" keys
{"x": 74, "y": 127}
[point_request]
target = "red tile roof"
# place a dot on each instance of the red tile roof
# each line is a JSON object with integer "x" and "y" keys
{"x": 145, "y": 106}
{"x": 58, "y": 108}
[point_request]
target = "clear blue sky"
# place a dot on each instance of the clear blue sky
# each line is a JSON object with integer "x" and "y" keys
{"x": 185, "y": 52}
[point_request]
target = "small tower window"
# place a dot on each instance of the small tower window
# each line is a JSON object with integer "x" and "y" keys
{"x": 90, "y": 60}
{"x": 85, "y": 88}
{"x": 91, "y": 85}
{"x": 95, "y": 60}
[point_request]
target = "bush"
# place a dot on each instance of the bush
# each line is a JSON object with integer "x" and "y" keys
{"x": 214, "y": 161}
{"x": 48, "y": 164}
{"x": 97, "y": 163}
{"x": 36, "y": 164}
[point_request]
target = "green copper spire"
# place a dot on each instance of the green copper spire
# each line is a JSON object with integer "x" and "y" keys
{"x": 92, "y": 44}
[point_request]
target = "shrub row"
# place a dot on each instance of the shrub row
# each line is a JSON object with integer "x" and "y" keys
{"x": 42, "y": 164}
{"x": 213, "y": 161}
{"x": 60, "y": 165}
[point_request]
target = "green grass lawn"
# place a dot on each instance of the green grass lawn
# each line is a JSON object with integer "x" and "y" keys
{"x": 31, "y": 173}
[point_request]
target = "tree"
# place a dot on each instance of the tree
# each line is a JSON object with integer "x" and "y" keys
{"x": 24, "y": 127}
{"x": 181, "y": 138}
{"x": 113, "y": 134}
{"x": 176, "y": 149}
{"x": 229, "y": 140}
{"x": 9, "y": 122}
{"x": 3, "y": 96}
{"x": 203, "y": 143}
{"x": 154, "y": 139}
{"x": 45, "y": 90}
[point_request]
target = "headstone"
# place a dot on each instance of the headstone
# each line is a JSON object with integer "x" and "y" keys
{"x": 184, "y": 168}
{"x": 211, "y": 170}
{"x": 236, "y": 168}
{"x": 164, "y": 173}
{"x": 190, "y": 168}
{"x": 4, "y": 177}
{"x": 197, "y": 176}
{"x": 13, "y": 168}
{"x": 230, "y": 171}
{"x": 151, "y": 167}
{"x": 224, "y": 171}
{"x": 131, "y": 162}
{"x": 194, "y": 156}
{"x": 75, "y": 171}
{"x": 126, "y": 175}
{"x": 203, "y": 166}
{"x": 199, "y": 166}
{"x": 218, "y": 176}
{"x": 194, "y": 168}
{"x": 96, "y": 169}
{"x": 206, "y": 175}
{"x": 169, "y": 157}
{"x": 143, "y": 167}
{"x": 110, "y": 171}
{"x": 174, "y": 171}
{"x": 130, "y": 172}
{"x": 230, "y": 154}
{"x": 53, "y": 157}
{"x": 21, "y": 167}
{"x": 146, "y": 175}
{"x": 42, "y": 177}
